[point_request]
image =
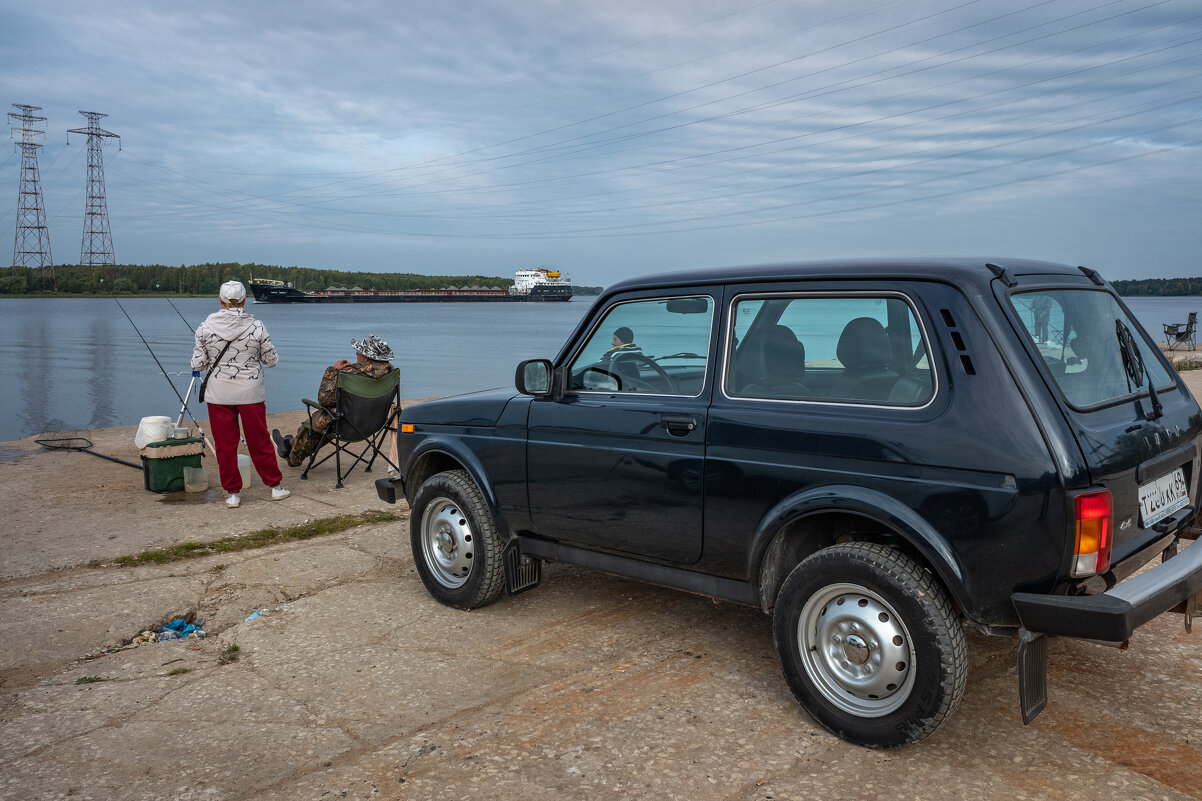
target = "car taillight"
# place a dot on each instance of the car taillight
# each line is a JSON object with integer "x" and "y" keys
{"x": 1095, "y": 519}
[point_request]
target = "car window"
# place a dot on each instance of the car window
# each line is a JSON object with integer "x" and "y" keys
{"x": 854, "y": 348}
{"x": 1077, "y": 332}
{"x": 658, "y": 346}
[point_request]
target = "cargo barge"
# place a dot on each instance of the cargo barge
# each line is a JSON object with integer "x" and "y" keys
{"x": 539, "y": 285}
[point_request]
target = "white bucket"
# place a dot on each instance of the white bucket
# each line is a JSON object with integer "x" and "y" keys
{"x": 153, "y": 429}
{"x": 196, "y": 479}
{"x": 246, "y": 468}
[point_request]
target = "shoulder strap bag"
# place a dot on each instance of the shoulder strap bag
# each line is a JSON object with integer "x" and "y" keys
{"x": 213, "y": 367}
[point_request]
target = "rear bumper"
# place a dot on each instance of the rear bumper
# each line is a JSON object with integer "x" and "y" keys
{"x": 1113, "y": 615}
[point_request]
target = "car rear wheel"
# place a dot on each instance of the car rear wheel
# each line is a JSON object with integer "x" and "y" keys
{"x": 870, "y": 644}
{"x": 455, "y": 542}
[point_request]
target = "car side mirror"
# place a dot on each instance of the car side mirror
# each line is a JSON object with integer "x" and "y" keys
{"x": 533, "y": 377}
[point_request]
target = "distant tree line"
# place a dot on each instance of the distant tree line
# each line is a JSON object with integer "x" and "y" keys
{"x": 1158, "y": 287}
{"x": 205, "y": 279}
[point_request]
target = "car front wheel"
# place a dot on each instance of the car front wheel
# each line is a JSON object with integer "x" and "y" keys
{"x": 870, "y": 644}
{"x": 455, "y": 542}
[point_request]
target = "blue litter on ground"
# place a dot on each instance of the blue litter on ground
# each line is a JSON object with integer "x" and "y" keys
{"x": 179, "y": 629}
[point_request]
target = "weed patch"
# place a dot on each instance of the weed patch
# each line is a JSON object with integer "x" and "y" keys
{"x": 257, "y": 539}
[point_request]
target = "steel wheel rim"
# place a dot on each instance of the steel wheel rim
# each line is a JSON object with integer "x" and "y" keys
{"x": 856, "y": 650}
{"x": 448, "y": 542}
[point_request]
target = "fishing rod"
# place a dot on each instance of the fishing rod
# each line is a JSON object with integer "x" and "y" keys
{"x": 181, "y": 315}
{"x": 165, "y": 374}
{"x": 191, "y": 383}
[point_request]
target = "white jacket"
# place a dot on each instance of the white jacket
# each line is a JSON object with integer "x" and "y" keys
{"x": 238, "y": 379}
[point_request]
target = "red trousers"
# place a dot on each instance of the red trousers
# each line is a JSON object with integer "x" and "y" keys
{"x": 223, "y": 420}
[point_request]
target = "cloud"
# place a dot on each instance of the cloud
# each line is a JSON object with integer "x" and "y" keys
{"x": 617, "y": 138}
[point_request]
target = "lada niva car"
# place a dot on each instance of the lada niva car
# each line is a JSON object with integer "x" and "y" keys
{"x": 877, "y": 453}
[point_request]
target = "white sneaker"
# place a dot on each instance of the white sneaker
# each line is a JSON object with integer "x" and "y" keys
{"x": 279, "y": 493}
{"x": 233, "y": 501}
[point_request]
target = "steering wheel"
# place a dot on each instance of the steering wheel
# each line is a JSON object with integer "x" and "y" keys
{"x": 642, "y": 358}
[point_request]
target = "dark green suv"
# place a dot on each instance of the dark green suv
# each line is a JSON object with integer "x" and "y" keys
{"x": 878, "y": 454}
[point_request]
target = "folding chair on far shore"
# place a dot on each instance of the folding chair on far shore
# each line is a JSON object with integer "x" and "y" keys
{"x": 1176, "y": 334}
{"x": 366, "y": 412}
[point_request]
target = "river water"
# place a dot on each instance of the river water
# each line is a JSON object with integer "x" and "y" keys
{"x": 78, "y": 363}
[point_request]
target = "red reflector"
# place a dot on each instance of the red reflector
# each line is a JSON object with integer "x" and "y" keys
{"x": 1095, "y": 513}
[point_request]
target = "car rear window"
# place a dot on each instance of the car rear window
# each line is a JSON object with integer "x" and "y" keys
{"x": 1078, "y": 334}
{"x": 855, "y": 348}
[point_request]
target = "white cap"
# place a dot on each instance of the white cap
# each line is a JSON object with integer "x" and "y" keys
{"x": 232, "y": 292}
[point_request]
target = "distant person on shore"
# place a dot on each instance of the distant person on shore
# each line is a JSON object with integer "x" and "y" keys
{"x": 623, "y": 342}
{"x": 371, "y": 359}
{"x": 1041, "y": 307}
{"x": 235, "y": 348}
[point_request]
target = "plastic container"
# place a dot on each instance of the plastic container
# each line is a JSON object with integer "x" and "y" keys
{"x": 196, "y": 479}
{"x": 153, "y": 429}
{"x": 246, "y": 468}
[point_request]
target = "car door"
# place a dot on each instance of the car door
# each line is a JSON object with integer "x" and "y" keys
{"x": 617, "y": 460}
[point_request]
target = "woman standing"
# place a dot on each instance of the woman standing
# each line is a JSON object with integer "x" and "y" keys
{"x": 235, "y": 347}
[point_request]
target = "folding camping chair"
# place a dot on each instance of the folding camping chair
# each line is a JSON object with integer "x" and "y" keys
{"x": 366, "y": 412}
{"x": 1182, "y": 333}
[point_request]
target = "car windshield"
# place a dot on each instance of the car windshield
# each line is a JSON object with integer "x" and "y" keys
{"x": 1077, "y": 331}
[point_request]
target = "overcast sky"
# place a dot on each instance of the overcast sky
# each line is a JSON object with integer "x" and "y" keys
{"x": 617, "y": 138}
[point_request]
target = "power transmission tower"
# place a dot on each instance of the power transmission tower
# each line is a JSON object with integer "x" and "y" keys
{"x": 97, "y": 247}
{"x": 31, "y": 245}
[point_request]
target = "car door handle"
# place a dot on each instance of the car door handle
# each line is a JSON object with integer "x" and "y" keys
{"x": 678, "y": 425}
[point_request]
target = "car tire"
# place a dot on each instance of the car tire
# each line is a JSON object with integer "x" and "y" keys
{"x": 870, "y": 644}
{"x": 455, "y": 541}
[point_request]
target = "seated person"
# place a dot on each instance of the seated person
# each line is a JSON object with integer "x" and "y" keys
{"x": 371, "y": 359}
{"x": 623, "y": 342}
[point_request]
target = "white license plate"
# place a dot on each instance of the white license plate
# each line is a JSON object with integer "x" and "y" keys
{"x": 1160, "y": 498}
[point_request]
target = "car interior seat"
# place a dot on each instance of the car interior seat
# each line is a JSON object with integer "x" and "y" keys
{"x": 626, "y": 368}
{"x": 775, "y": 364}
{"x": 865, "y": 353}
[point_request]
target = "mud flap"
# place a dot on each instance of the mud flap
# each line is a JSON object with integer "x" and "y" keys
{"x": 521, "y": 572}
{"x": 1032, "y": 674}
{"x": 1189, "y": 607}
